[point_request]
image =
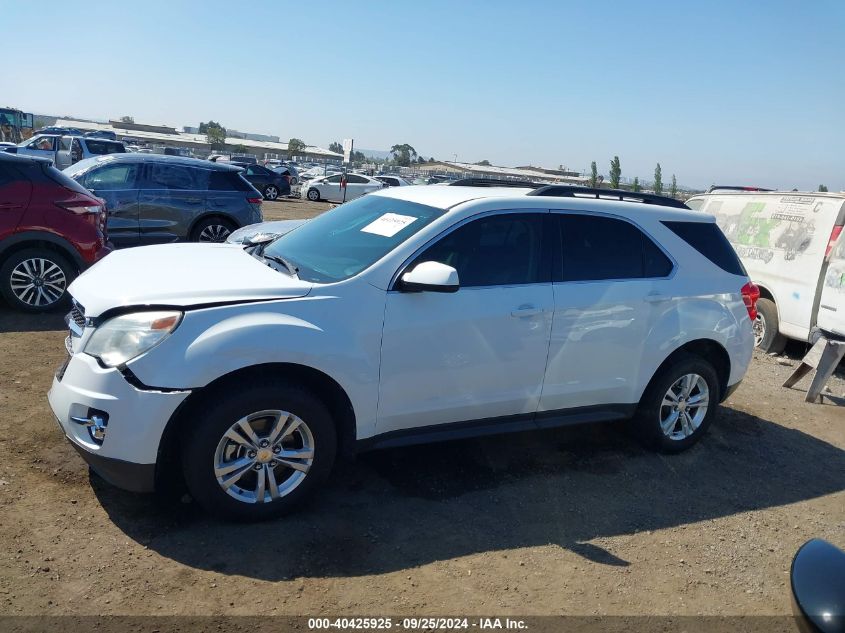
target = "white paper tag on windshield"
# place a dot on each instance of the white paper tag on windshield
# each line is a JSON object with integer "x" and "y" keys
{"x": 389, "y": 224}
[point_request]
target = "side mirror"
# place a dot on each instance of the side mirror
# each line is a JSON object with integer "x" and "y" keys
{"x": 430, "y": 277}
{"x": 817, "y": 579}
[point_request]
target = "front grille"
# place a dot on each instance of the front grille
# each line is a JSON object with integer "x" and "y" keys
{"x": 77, "y": 314}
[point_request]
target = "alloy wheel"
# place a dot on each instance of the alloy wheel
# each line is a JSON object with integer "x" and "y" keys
{"x": 759, "y": 328}
{"x": 38, "y": 282}
{"x": 313, "y": 195}
{"x": 684, "y": 407}
{"x": 271, "y": 193}
{"x": 214, "y": 233}
{"x": 264, "y": 456}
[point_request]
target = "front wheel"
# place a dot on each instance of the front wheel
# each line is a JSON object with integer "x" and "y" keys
{"x": 260, "y": 453}
{"x": 678, "y": 405}
{"x": 313, "y": 195}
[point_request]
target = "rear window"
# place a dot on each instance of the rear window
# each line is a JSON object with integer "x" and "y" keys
{"x": 228, "y": 181}
{"x": 707, "y": 238}
{"x": 68, "y": 183}
{"x": 104, "y": 147}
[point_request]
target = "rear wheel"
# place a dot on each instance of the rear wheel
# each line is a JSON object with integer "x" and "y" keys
{"x": 260, "y": 453}
{"x": 36, "y": 280}
{"x": 212, "y": 230}
{"x": 271, "y": 192}
{"x": 767, "y": 336}
{"x": 679, "y": 404}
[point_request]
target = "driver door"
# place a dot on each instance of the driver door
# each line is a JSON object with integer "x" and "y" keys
{"x": 479, "y": 352}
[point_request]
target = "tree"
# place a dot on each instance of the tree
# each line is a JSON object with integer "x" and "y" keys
{"x": 822, "y": 187}
{"x": 615, "y": 172}
{"x": 127, "y": 119}
{"x": 357, "y": 157}
{"x": 297, "y": 146}
{"x": 594, "y": 175}
{"x": 636, "y": 185}
{"x": 485, "y": 163}
{"x": 658, "y": 179}
{"x": 215, "y": 134}
{"x": 240, "y": 149}
{"x": 673, "y": 190}
{"x": 336, "y": 147}
{"x": 403, "y": 154}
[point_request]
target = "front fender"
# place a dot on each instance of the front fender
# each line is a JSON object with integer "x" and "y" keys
{"x": 214, "y": 342}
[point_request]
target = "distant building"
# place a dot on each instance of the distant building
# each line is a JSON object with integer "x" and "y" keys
{"x": 492, "y": 171}
{"x": 168, "y": 136}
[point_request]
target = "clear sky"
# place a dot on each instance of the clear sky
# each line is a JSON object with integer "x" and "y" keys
{"x": 718, "y": 92}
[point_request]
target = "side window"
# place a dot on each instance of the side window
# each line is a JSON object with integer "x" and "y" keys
{"x": 356, "y": 180}
{"x": 45, "y": 143}
{"x": 251, "y": 171}
{"x": 163, "y": 176}
{"x": 498, "y": 250}
{"x": 112, "y": 177}
{"x": 596, "y": 248}
{"x": 333, "y": 180}
{"x": 64, "y": 143}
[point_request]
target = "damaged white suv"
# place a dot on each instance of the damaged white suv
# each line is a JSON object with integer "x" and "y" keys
{"x": 412, "y": 314}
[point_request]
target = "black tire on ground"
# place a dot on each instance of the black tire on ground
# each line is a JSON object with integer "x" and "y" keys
{"x": 271, "y": 192}
{"x": 214, "y": 418}
{"x": 49, "y": 270}
{"x": 212, "y": 230}
{"x": 767, "y": 314}
{"x": 647, "y": 419}
{"x": 313, "y": 195}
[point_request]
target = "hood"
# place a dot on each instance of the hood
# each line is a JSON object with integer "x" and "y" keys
{"x": 180, "y": 275}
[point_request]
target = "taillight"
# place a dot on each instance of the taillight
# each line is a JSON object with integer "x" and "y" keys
{"x": 834, "y": 235}
{"x": 81, "y": 207}
{"x": 254, "y": 200}
{"x": 750, "y": 294}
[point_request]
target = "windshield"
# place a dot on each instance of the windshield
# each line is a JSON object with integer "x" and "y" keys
{"x": 346, "y": 240}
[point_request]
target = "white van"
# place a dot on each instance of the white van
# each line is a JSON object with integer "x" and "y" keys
{"x": 784, "y": 240}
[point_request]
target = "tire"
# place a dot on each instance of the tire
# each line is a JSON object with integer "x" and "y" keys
{"x": 653, "y": 413}
{"x": 313, "y": 195}
{"x": 50, "y": 272}
{"x": 206, "y": 446}
{"x": 767, "y": 336}
{"x": 213, "y": 230}
{"x": 271, "y": 192}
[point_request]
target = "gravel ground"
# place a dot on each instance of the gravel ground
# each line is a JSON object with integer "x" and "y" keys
{"x": 572, "y": 521}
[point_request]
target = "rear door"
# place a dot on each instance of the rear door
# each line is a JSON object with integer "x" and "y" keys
{"x": 15, "y": 192}
{"x": 831, "y": 315}
{"x": 357, "y": 186}
{"x": 608, "y": 278}
{"x": 118, "y": 185}
{"x": 173, "y": 195}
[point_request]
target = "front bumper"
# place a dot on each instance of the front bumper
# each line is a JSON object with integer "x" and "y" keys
{"x": 136, "y": 420}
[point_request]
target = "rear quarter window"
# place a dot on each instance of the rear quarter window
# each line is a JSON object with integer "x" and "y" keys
{"x": 228, "y": 181}
{"x": 104, "y": 147}
{"x": 707, "y": 238}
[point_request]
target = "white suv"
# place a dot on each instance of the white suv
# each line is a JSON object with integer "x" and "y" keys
{"x": 412, "y": 314}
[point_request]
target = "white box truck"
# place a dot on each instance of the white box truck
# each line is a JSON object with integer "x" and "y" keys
{"x": 785, "y": 241}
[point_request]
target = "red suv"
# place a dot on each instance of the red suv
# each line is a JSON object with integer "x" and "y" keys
{"x": 51, "y": 229}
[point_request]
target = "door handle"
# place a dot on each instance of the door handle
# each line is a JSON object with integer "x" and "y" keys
{"x": 526, "y": 310}
{"x": 655, "y": 297}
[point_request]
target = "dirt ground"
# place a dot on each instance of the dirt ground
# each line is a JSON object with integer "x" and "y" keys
{"x": 572, "y": 521}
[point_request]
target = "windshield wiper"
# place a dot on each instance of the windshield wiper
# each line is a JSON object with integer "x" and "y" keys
{"x": 293, "y": 270}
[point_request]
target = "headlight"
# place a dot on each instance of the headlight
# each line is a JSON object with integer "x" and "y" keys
{"x": 122, "y": 338}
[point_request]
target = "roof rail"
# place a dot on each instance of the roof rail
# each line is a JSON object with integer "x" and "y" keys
{"x": 493, "y": 182}
{"x": 571, "y": 191}
{"x": 736, "y": 188}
